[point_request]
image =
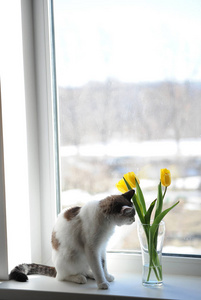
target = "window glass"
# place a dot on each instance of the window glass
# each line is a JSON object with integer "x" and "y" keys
{"x": 128, "y": 76}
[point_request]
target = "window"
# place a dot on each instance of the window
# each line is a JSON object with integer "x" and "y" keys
{"x": 29, "y": 154}
{"x": 128, "y": 75}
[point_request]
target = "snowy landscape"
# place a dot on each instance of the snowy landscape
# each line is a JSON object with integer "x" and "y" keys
{"x": 187, "y": 189}
{"x": 129, "y": 100}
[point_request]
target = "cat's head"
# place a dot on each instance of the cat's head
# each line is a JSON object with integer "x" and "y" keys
{"x": 119, "y": 208}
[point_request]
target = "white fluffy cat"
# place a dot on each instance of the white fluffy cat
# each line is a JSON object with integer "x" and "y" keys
{"x": 79, "y": 240}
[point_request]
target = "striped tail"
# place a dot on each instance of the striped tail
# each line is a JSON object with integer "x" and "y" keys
{"x": 20, "y": 272}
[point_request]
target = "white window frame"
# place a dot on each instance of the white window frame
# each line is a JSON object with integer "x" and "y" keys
{"x": 45, "y": 116}
{"x": 43, "y": 169}
{"x": 3, "y": 235}
{"x": 38, "y": 92}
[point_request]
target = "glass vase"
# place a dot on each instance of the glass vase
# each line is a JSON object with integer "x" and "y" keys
{"x": 151, "y": 243}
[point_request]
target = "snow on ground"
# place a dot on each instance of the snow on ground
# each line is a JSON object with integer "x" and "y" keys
{"x": 160, "y": 148}
{"x": 167, "y": 149}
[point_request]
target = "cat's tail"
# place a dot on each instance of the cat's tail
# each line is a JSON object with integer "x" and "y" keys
{"x": 20, "y": 272}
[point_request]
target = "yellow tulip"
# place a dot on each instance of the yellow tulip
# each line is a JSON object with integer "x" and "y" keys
{"x": 121, "y": 185}
{"x": 130, "y": 178}
{"x": 165, "y": 177}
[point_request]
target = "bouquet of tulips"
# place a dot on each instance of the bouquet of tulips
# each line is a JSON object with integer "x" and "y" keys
{"x": 130, "y": 181}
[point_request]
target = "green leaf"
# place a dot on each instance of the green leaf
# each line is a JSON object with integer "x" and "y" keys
{"x": 159, "y": 218}
{"x": 153, "y": 232}
{"x": 159, "y": 204}
{"x": 138, "y": 209}
{"x": 127, "y": 184}
{"x": 136, "y": 203}
{"x": 147, "y": 216}
{"x": 140, "y": 196}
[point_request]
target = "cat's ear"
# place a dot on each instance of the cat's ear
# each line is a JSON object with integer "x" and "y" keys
{"x": 128, "y": 195}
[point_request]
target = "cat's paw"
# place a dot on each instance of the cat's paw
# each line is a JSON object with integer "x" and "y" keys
{"x": 80, "y": 279}
{"x": 103, "y": 285}
{"x": 109, "y": 277}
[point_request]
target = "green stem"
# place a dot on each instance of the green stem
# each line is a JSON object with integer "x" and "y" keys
{"x": 148, "y": 276}
{"x": 165, "y": 192}
{"x": 154, "y": 262}
{"x": 155, "y": 271}
{"x": 157, "y": 265}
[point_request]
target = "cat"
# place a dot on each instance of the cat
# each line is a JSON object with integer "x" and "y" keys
{"x": 79, "y": 240}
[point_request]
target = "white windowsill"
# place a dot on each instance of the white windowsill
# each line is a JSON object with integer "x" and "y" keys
{"x": 181, "y": 276}
{"x": 125, "y": 285}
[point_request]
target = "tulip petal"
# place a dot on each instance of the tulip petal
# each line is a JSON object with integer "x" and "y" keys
{"x": 165, "y": 177}
{"x": 130, "y": 178}
{"x": 121, "y": 186}
{"x": 136, "y": 203}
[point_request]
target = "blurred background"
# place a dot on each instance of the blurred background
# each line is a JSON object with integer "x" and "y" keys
{"x": 128, "y": 75}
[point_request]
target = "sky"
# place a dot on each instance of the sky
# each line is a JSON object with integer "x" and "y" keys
{"x": 130, "y": 41}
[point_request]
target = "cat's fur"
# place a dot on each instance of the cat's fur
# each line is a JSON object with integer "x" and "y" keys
{"x": 79, "y": 241}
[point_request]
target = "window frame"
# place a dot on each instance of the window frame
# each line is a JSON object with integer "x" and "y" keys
{"x": 47, "y": 137}
{"x": 3, "y": 233}
{"x": 43, "y": 167}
